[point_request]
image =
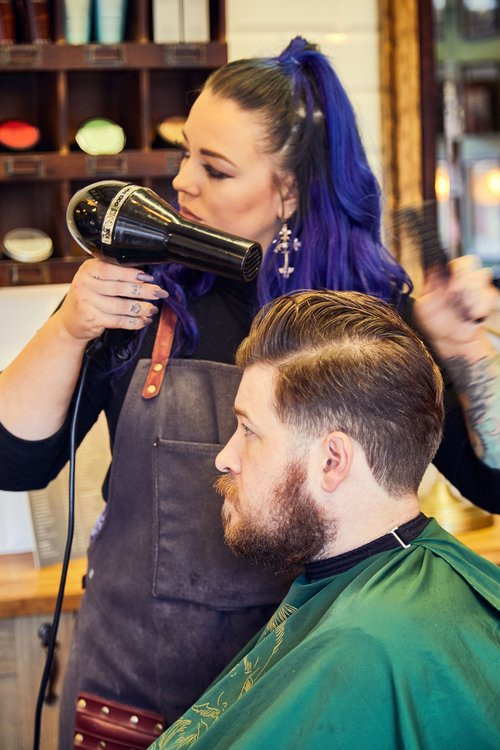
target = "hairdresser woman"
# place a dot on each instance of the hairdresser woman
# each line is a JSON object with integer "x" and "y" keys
{"x": 272, "y": 153}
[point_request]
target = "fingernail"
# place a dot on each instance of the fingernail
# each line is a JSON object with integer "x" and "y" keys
{"x": 160, "y": 293}
{"x": 148, "y": 321}
{"x": 154, "y": 311}
{"x": 144, "y": 277}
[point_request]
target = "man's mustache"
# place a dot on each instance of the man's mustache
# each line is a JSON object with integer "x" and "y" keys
{"x": 225, "y": 486}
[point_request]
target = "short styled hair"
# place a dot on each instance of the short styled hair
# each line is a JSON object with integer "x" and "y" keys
{"x": 347, "y": 361}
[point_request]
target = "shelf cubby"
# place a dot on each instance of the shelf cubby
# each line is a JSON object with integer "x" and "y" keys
{"x": 57, "y": 86}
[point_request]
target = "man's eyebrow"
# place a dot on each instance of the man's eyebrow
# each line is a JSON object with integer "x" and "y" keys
{"x": 240, "y": 412}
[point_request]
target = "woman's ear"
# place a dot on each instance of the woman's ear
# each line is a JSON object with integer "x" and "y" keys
{"x": 289, "y": 196}
{"x": 337, "y": 455}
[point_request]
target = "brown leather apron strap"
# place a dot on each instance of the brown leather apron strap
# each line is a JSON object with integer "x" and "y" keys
{"x": 105, "y": 723}
{"x": 161, "y": 352}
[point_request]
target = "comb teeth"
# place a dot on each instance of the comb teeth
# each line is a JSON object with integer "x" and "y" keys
{"x": 421, "y": 224}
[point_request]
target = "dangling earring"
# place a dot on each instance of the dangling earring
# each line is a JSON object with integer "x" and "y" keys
{"x": 283, "y": 246}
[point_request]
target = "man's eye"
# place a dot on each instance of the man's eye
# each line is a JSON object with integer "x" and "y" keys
{"x": 212, "y": 172}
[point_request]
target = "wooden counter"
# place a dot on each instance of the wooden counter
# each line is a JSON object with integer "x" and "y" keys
{"x": 24, "y": 590}
{"x": 486, "y": 542}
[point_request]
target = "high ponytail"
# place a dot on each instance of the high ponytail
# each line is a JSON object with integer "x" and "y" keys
{"x": 311, "y": 125}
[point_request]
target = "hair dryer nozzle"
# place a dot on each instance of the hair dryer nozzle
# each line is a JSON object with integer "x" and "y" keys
{"x": 131, "y": 225}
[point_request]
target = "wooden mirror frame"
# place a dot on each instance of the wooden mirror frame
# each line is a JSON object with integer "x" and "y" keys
{"x": 408, "y": 129}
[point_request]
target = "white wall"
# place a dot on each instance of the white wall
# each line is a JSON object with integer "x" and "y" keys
{"x": 346, "y": 31}
{"x": 25, "y": 308}
{"x": 22, "y": 311}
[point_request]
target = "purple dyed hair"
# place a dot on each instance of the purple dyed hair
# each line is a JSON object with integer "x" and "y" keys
{"x": 310, "y": 122}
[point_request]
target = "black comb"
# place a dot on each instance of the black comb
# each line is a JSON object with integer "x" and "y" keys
{"x": 420, "y": 222}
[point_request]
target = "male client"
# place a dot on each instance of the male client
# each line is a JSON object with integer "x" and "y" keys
{"x": 389, "y": 636}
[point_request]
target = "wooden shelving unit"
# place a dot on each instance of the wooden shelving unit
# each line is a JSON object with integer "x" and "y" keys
{"x": 57, "y": 86}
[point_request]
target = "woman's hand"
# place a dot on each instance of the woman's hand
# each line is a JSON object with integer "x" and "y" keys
{"x": 37, "y": 387}
{"x": 451, "y": 312}
{"x": 103, "y": 295}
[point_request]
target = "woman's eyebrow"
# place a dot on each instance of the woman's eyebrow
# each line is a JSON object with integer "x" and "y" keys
{"x": 209, "y": 152}
{"x": 215, "y": 154}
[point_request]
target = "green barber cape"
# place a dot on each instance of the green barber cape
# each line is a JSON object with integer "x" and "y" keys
{"x": 400, "y": 651}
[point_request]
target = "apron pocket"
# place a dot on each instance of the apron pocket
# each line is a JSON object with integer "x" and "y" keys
{"x": 191, "y": 560}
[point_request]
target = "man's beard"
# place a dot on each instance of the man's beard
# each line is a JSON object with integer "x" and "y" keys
{"x": 294, "y": 533}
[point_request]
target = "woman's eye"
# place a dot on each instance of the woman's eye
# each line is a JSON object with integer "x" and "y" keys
{"x": 212, "y": 172}
{"x": 246, "y": 430}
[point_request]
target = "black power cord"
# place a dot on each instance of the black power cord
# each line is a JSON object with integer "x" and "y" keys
{"x": 52, "y": 632}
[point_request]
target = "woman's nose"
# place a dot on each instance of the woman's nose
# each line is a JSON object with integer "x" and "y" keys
{"x": 185, "y": 180}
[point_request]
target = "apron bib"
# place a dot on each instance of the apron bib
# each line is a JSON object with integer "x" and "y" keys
{"x": 166, "y": 604}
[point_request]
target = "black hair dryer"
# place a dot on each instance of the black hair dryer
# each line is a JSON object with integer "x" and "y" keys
{"x": 131, "y": 225}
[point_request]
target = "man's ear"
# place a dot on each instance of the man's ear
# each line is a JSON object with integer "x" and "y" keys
{"x": 337, "y": 453}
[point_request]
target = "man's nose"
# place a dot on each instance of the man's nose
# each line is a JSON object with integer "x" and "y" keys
{"x": 228, "y": 458}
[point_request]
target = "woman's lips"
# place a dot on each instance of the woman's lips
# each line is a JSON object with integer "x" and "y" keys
{"x": 189, "y": 215}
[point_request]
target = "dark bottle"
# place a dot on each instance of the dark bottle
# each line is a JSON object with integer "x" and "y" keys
{"x": 131, "y": 225}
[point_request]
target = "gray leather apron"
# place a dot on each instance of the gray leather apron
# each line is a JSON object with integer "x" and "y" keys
{"x": 166, "y": 604}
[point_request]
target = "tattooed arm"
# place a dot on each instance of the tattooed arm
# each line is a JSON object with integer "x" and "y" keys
{"x": 478, "y": 386}
{"x": 449, "y": 313}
